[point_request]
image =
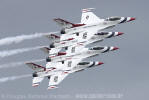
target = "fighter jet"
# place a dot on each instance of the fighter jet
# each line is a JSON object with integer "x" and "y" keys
{"x": 89, "y": 21}
{"x": 57, "y": 73}
{"x": 86, "y": 30}
{"x": 58, "y": 68}
{"x": 84, "y": 40}
{"x": 74, "y": 39}
{"x": 57, "y": 46}
{"x": 80, "y": 52}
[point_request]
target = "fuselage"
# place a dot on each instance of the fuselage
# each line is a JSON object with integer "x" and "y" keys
{"x": 79, "y": 40}
{"x": 61, "y": 68}
{"x": 94, "y": 26}
{"x": 83, "y": 53}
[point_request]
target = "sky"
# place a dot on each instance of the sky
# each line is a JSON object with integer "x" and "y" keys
{"x": 124, "y": 74}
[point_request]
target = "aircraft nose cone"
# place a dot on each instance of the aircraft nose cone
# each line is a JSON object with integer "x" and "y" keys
{"x": 120, "y": 33}
{"x": 127, "y": 19}
{"x": 132, "y": 18}
{"x": 100, "y": 63}
{"x": 115, "y": 48}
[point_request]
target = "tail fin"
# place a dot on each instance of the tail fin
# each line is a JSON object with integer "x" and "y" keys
{"x": 88, "y": 17}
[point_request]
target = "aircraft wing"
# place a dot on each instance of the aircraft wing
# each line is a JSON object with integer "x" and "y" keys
{"x": 50, "y": 51}
{"x": 54, "y": 50}
{"x": 71, "y": 63}
{"x": 90, "y": 33}
{"x": 36, "y": 67}
{"x": 56, "y": 79}
{"x": 36, "y": 81}
{"x": 66, "y": 24}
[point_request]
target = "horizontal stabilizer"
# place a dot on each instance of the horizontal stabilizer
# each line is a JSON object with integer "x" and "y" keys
{"x": 45, "y": 49}
{"x": 36, "y": 67}
{"x": 66, "y": 24}
{"x": 53, "y": 37}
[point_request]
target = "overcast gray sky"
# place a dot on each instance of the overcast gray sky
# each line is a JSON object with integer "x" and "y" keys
{"x": 125, "y": 71}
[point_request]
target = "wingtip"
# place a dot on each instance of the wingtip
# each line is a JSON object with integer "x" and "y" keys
{"x": 52, "y": 87}
{"x": 27, "y": 63}
{"x": 55, "y": 19}
{"x": 35, "y": 84}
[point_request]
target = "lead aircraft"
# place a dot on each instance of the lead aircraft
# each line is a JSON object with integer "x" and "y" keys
{"x": 73, "y": 39}
{"x": 86, "y": 30}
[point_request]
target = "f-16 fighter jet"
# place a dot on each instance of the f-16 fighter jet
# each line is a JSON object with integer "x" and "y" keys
{"x": 80, "y": 52}
{"x": 86, "y": 30}
{"x": 57, "y": 69}
{"x": 57, "y": 72}
{"x": 74, "y": 39}
{"x": 90, "y": 21}
{"x": 77, "y": 40}
{"x": 81, "y": 40}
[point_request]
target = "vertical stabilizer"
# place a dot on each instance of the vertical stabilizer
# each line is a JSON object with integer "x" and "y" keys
{"x": 88, "y": 17}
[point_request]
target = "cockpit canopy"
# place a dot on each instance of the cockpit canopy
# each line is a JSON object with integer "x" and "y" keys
{"x": 96, "y": 48}
{"x": 102, "y": 33}
{"x": 83, "y": 63}
{"x": 114, "y": 18}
